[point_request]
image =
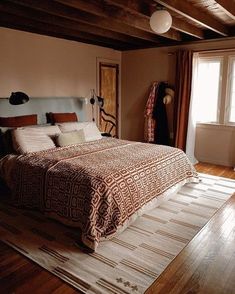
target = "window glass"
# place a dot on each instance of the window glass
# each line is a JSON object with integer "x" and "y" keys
{"x": 208, "y": 90}
{"x": 232, "y": 94}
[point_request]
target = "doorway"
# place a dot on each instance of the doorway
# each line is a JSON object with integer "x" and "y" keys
{"x": 108, "y": 89}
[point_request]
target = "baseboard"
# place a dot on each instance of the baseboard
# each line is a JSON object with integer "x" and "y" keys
{"x": 215, "y": 161}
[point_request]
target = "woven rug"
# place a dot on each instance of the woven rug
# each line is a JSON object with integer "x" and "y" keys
{"x": 129, "y": 263}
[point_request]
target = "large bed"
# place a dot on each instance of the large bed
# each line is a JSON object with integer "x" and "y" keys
{"x": 100, "y": 186}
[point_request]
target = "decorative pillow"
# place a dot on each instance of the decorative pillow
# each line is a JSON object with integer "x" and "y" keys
{"x": 70, "y": 138}
{"x": 26, "y": 140}
{"x": 53, "y": 117}
{"x": 18, "y": 121}
{"x": 91, "y": 132}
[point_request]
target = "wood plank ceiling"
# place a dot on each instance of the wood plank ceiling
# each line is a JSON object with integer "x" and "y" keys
{"x": 120, "y": 24}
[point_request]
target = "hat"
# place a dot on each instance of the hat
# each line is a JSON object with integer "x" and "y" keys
{"x": 170, "y": 92}
{"x": 169, "y": 96}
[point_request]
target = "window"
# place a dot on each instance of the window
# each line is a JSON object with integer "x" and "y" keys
{"x": 208, "y": 89}
{"x": 231, "y": 105}
{"x": 215, "y": 88}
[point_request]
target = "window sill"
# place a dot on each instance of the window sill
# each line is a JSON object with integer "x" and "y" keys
{"x": 211, "y": 125}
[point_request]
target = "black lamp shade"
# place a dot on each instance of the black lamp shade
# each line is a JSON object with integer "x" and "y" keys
{"x": 92, "y": 100}
{"x": 18, "y": 98}
{"x": 100, "y": 101}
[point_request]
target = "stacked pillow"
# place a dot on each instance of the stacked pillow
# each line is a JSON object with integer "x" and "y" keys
{"x": 86, "y": 132}
{"x": 18, "y": 121}
{"x": 33, "y": 139}
{"x": 70, "y": 138}
{"x": 54, "y": 117}
{"x": 38, "y": 137}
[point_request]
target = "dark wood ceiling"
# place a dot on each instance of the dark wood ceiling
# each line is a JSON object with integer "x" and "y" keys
{"x": 120, "y": 24}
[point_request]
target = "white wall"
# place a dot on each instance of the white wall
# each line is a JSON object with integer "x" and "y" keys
{"x": 215, "y": 144}
{"x": 44, "y": 66}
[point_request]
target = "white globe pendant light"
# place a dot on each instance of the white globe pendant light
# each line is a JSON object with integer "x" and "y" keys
{"x": 160, "y": 21}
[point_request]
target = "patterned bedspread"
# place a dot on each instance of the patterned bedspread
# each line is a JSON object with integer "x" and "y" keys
{"x": 97, "y": 186}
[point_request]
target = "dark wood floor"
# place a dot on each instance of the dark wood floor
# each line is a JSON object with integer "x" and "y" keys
{"x": 203, "y": 267}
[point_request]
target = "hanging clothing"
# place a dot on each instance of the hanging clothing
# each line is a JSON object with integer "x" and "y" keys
{"x": 149, "y": 122}
{"x": 161, "y": 131}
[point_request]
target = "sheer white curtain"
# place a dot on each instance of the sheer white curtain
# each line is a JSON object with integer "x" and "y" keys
{"x": 191, "y": 134}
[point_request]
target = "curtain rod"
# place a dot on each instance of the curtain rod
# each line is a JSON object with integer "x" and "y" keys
{"x": 208, "y": 51}
{"x": 216, "y": 50}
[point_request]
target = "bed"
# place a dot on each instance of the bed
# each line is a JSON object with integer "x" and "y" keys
{"x": 99, "y": 186}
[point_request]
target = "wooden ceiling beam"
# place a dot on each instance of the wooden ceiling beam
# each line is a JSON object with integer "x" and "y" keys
{"x": 117, "y": 14}
{"x": 30, "y": 13}
{"x": 14, "y": 21}
{"x": 187, "y": 28}
{"x": 186, "y": 9}
{"x": 228, "y": 7}
{"x": 146, "y": 9}
{"x": 68, "y": 12}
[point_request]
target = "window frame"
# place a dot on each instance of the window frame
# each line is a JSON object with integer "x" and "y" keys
{"x": 230, "y": 73}
{"x": 225, "y": 84}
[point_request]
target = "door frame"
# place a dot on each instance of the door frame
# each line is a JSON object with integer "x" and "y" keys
{"x": 116, "y": 63}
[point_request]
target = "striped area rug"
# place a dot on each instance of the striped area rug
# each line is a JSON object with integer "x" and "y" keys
{"x": 128, "y": 263}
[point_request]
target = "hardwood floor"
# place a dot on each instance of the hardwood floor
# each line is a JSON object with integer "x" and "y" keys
{"x": 206, "y": 265}
{"x": 19, "y": 275}
{"x": 216, "y": 170}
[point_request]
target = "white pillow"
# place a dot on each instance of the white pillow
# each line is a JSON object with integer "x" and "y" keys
{"x": 46, "y": 129}
{"x": 91, "y": 132}
{"x": 68, "y": 127}
{"x": 26, "y": 140}
{"x": 70, "y": 138}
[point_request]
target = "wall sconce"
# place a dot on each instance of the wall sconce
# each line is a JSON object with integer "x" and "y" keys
{"x": 160, "y": 21}
{"x": 18, "y": 98}
{"x": 96, "y": 99}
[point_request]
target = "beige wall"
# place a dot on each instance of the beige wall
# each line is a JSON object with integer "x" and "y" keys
{"x": 45, "y": 66}
{"x": 139, "y": 69}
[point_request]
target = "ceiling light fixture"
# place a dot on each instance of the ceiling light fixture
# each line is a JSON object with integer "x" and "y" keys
{"x": 160, "y": 21}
